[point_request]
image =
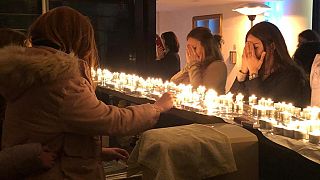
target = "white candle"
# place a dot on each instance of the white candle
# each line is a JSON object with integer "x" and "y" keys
{"x": 239, "y": 98}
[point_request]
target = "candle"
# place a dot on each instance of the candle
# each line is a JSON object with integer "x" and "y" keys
{"x": 297, "y": 111}
{"x": 285, "y": 117}
{"x": 262, "y": 102}
{"x": 269, "y": 103}
{"x": 238, "y": 107}
{"x": 259, "y": 111}
{"x": 252, "y": 100}
{"x": 239, "y": 98}
{"x": 270, "y": 112}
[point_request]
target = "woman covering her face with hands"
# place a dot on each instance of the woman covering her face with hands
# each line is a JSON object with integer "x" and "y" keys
{"x": 267, "y": 69}
{"x": 205, "y": 64}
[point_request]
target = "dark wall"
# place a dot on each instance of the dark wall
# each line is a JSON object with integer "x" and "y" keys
{"x": 316, "y": 16}
{"x": 19, "y": 14}
{"x": 124, "y": 29}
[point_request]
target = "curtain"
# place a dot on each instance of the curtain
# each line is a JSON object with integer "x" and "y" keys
{"x": 316, "y": 16}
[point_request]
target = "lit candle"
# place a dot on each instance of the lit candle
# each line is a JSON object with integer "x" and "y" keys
{"x": 252, "y": 100}
{"x": 285, "y": 117}
{"x": 239, "y": 98}
{"x": 201, "y": 90}
{"x": 269, "y": 103}
{"x": 262, "y": 102}
{"x": 270, "y": 112}
{"x": 297, "y": 111}
{"x": 210, "y": 99}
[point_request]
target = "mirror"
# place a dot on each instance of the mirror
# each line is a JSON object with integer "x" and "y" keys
{"x": 213, "y": 22}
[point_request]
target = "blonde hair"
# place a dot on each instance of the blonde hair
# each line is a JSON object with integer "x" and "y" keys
{"x": 67, "y": 30}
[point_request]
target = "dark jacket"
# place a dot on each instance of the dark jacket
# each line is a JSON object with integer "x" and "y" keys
{"x": 288, "y": 85}
{"x": 168, "y": 66}
{"x": 305, "y": 55}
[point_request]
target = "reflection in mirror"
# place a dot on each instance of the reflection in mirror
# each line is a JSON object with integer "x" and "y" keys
{"x": 213, "y": 22}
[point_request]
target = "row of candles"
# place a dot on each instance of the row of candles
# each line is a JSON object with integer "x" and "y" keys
{"x": 278, "y": 117}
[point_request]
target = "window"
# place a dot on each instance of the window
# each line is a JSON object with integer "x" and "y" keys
{"x": 17, "y": 14}
{"x": 213, "y": 22}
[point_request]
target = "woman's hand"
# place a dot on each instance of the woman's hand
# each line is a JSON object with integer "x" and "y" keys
{"x": 244, "y": 65}
{"x": 251, "y": 60}
{"x": 165, "y": 102}
{"x": 109, "y": 154}
{"x": 192, "y": 56}
{"x": 47, "y": 157}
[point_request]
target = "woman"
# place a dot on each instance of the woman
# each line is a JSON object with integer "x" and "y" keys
{"x": 308, "y": 48}
{"x": 267, "y": 69}
{"x": 205, "y": 64}
{"x": 315, "y": 81}
{"x": 20, "y": 161}
{"x": 308, "y": 35}
{"x": 169, "y": 65}
{"x": 51, "y": 98}
{"x": 8, "y": 37}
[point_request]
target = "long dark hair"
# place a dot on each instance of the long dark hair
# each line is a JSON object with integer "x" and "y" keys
{"x": 210, "y": 45}
{"x": 310, "y": 35}
{"x": 271, "y": 38}
{"x": 171, "y": 41}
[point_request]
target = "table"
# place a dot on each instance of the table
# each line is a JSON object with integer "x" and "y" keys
{"x": 275, "y": 161}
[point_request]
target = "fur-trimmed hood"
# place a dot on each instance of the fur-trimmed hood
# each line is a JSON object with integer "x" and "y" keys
{"x": 21, "y": 67}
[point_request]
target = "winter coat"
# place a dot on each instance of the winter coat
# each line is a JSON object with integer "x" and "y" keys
{"x": 51, "y": 100}
{"x": 20, "y": 161}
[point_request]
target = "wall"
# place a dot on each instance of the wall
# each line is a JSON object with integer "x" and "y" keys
{"x": 296, "y": 17}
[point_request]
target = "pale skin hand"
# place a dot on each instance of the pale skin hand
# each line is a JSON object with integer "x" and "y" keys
{"x": 250, "y": 59}
{"x": 165, "y": 102}
{"x": 192, "y": 56}
{"x": 109, "y": 154}
{"x": 47, "y": 157}
{"x": 244, "y": 66}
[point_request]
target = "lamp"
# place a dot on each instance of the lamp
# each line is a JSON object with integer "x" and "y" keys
{"x": 252, "y": 10}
